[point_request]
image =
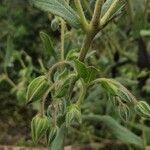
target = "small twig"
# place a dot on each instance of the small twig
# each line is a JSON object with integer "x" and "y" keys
{"x": 63, "y": 26}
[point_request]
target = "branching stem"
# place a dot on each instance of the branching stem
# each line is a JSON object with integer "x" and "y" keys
{"x": 94, "y": 27}
{"x": 42, "y": 110}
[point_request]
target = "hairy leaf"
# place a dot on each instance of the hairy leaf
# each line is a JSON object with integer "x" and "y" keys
{"x": 47, "y": 44}
{"x": 118, "y": 9}
{"x": 81, "y": 69}
{"x": 37, "y": 88}
{"x": 92, "y": 73}
{"x": 60, "y": 8}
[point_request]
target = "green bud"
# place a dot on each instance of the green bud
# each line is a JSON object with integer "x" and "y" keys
{"x": 62, "y": 88}
{"x": 49, "y": 111}
{"x": 37, "y": 88}
{"x": 73, "y": 114}
{"x": 143, "y": 109}
{"x": 55, "y": 24}
{"x": 114, "y": 88}
{"x": 39, "y": 126}
{"x": 51, "y": 134}
{"x": 109, "y": 87}
{"x": 124, "y": 112}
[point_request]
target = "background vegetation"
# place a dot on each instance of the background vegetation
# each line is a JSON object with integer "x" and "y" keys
{"x": 121, "y": 51}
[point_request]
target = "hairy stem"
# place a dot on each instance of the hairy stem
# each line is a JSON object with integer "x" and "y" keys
{"x": 96, "y": 15}
{"x": 94, "y": 27}
{"x": 42, "y": 110}
{"x": 80, "y": 11}
{"x": 62, "y": 39}
{"x": 108, "y": 14}
{"x": 86, "y": 45}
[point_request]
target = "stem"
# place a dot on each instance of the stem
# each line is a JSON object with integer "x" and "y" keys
{"x": 63, "y": 26}
{"x": 80, "y": 11}
{"x": 109, "y": 12}
{"x": 86, "y": 45}
{"x": 44, "y": 100}
{"x": 94, "y": 27}
{"x": 97, "y": 14}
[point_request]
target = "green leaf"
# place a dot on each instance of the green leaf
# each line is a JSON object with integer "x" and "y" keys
{"x": 124, "y": 112}
{"x": 39, "y": 126}
{"x": 37, "y": 88}
{"x": 114, "y": 88}
{"x": 81, "y": 69}
{"x": 73, "y": 114}
{"x": 117, "y": 130}
{"x": 59, "y": 8}
{"x": 109, "y": 87}
{"x": 143, "y": 109}
{"x": 63, "y": 85}
{"x": 62, "y": 89}
{"x": 92, "y": 73}
{"x": 106, "y": 6}
{"x": 72, "y": 54}
{"x": 47, "y": 44}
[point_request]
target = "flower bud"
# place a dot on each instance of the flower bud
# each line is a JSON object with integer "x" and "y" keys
{"x": 39, "y": 126}
{"x": 55, "y": 24}
{"x": 143, "y": 109}
{"x": 109, "y": 87}
{"x": 62, "y": 88}
{"x": 37, "y": 88}
{"x": 124, "y": 112}
{"x": 73, "y": 114}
